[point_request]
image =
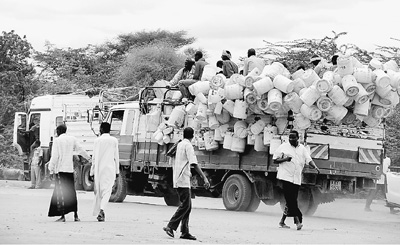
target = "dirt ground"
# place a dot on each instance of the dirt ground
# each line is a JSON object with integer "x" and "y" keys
{"x": 23, "y": 219}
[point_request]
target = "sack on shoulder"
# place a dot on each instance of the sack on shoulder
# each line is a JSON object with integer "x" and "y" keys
{"x": 172, "y": 151}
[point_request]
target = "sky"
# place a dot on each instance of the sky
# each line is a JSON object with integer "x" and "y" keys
{"x": 234, "y": 25}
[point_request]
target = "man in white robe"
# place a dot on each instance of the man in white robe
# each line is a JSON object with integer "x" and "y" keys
{"x": 105, "y": 169}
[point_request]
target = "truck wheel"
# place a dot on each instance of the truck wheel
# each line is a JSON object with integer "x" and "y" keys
{"x": 254, "y": 202}
{"x": 86, "y": 183}
{"x": 171, "y": 198}
{"x": 119, "y": 189}
{"x": 236, "y": 193}
{"x": 78, "y": 178}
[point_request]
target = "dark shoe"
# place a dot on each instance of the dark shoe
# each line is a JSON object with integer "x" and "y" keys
{"x": 366, "y": 209}
{"x": 299, "y": 226}
{"x": 101, "y": 217}
{"x": 188, "y": 236}
{"x": 169, "y": 231}
{"x": 283, "y": 225}
{"x": 76, "y": 219}
{"x": 31, "y": 187}
{"x": 62, "y": 219}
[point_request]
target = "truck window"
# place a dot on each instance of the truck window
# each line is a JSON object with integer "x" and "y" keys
{"x": 116, "y": 122}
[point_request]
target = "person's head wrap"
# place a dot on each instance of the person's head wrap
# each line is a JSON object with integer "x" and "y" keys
{"x": 226, "y": 53}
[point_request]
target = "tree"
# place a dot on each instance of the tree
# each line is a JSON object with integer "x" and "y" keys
{"x": 147, "y": 64}
{"x": 143, "y": 38}
{"x": 15, "y": 74}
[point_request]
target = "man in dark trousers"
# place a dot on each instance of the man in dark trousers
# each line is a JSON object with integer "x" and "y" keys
{"x": 291, "y": 158}
{"x": 185, "y": 157}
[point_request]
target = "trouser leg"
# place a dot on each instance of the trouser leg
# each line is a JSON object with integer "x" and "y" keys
{"x": 184, "y": 87}
{"x": 37, "y": 176}
{"x": 183, "y": 210}
{"x": 33, "y": 177}
{"x": 371, "y": 196}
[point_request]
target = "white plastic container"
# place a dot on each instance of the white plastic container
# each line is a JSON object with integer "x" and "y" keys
{"x": 239, "y": 110}
{"x": 199, "y": 87}
{"x": 324, "y": 103}
{"x": 337, "y": 112}
{"x": 350, "y": 85}
{"x": 275, "y": 143}
{"x": 382, "y": 79}
{"x": 177, "y": 117}
{"x": 301, "y": 121}
{"x": 310, "y": 95}
{"x": 337, "y": 95}
{"x": 283, "y": 83}
{"x": 228, "y": 138}
{"x": 293, "y": 101}
{"x": 310, "y": 77}
{"x": 311, "y": 112}
{"x": 262, "y": 104}
{"x": 249, "y": 96}
{"x": 377, "y": 111}
{"x": 369, "y": 87}
{"x": 229, "y": 105}
{"x": 344, "y": 65}
{"x": 274, "y": 99}
{"x": 213, "y": 122}
{"x": 224, "y": 117}
{"x": 269, "y": 132}
{"x": 263, "y": 85}
{"x": 258, "y": 127}
{"x": 217, "y": 81}
{"x": 209, "y": 141}
{"x": 259, "y": 143}
{"x": 238, "y": 144}
{"x": 361, "y": 109}
{"x": 298, "y": 85}
{"x": 375, "y": 64}
{"x": 201, "y": 114}
{"x": 240, "y": 129}
{"x": 364, "y": 75}
{"x": 234, "y": 91}
{"x": 362, "y": 95}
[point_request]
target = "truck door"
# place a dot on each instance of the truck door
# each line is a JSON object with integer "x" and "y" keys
{"x": 122, "y": 122}
{"x": 20, "y": 134}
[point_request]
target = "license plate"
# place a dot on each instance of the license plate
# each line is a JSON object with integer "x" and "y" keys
{"x": 335, "y": 185}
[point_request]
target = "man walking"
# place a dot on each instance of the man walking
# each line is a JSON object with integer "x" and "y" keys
{"x": 105, "y": 169}
{"x": 291, "y": 158}
{"x": 185, "y": 157}
{"x": 64, "y": 198}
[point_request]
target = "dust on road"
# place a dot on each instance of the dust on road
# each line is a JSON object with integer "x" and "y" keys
{"x": 140, "y": 220}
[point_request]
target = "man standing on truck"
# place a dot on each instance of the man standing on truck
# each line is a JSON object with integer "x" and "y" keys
{"x": 184, "y": 157}
{"x": 291, "y": 158}
{"x": 105, "y": 169}
{"x": 61, "y": 164}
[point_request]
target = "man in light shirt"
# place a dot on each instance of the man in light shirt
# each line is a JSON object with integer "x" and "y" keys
{"x": 380, "y": 186}
{"x": 61, "y": 165}
{"x": 252, "y": 62}
{"x": 185, "y": 157}
{"x": 291, "y": 158}
{"x": 105, "y": 169}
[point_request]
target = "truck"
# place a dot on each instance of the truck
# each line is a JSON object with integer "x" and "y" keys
{"x": 349, "y": 159}
{"x": 46, "y": 112}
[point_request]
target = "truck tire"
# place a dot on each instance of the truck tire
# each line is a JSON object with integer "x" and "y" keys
{"x": 86, "y": 183}
{"x": 78, "y": 178}
{"x": 236, "y": 193}
{"x": 254, "y": 202}
{"x": 171, "y": 198}
{"x": 305, "y": 201}
{"x": 120, "y": 188}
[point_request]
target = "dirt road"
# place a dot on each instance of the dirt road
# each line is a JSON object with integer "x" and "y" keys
{"x": 23, "y": 219}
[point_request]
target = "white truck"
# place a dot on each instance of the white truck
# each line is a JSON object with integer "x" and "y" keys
{"x": 45, "y": 113}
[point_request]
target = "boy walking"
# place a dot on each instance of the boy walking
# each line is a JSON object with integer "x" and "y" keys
{"x": 36, "y": 163}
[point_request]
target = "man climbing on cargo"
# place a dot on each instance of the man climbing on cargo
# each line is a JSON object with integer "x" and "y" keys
{"x": 200, "y": 62}
{"x": 291, "y": 158}
{"x": 184, "y": 158}
{"x": 252, "y": 62}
